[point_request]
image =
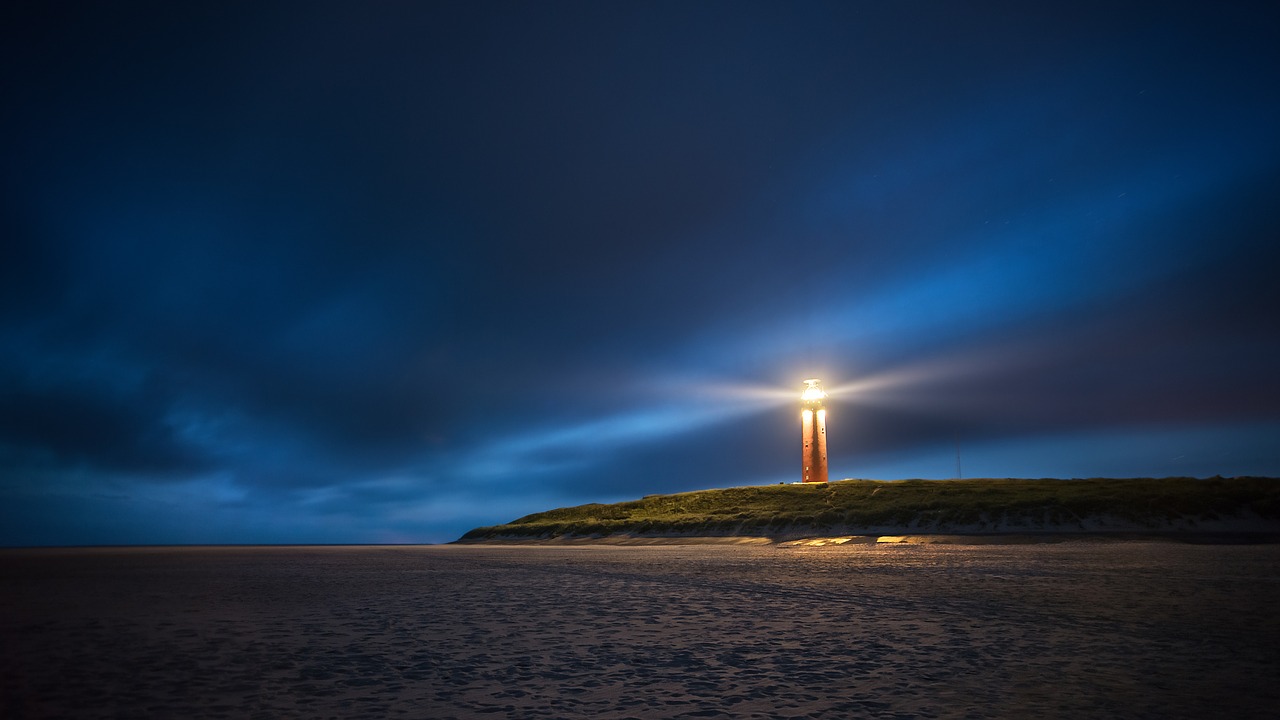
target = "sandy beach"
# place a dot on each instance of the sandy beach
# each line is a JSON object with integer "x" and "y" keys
{"x": 1069, "y": 630}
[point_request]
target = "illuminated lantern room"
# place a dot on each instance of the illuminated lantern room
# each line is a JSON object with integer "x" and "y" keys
{"x": 813, "y": 431}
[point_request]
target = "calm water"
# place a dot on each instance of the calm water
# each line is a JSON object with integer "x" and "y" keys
{"x": 1062, "y": 631}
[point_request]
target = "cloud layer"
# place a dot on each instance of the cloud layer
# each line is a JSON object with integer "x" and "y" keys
{"x": 331, "y": 273}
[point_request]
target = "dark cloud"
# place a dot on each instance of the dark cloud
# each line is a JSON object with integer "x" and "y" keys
{"x": 80, "y": 424}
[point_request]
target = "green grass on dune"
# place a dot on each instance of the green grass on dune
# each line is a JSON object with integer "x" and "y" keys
{"x": 903, "y": 503}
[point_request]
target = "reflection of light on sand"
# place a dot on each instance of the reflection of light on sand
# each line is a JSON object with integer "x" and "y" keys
{"x": 821, "y": 542}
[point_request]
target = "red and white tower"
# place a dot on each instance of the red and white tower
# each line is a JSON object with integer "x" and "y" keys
{"x": 813, "y": 430}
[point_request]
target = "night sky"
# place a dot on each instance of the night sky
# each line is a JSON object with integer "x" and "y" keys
{"x": 383, "y": 272}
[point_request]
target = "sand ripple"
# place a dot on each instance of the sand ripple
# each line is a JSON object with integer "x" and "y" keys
{"x": 1135, "y": 630}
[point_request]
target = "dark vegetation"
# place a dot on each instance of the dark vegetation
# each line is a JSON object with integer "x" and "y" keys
{"x": 909, "y": 505}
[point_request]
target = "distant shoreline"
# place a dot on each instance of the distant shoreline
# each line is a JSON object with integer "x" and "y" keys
{"x": 905, "y": 538}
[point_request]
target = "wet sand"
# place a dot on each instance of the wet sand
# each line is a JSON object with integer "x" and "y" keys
{"x": 1071, "y": 630}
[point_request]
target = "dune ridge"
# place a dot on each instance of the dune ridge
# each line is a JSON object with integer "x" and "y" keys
{"x": 1010, "y": 510}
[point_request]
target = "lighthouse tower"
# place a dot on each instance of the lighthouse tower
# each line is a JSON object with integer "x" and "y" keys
{"x": 813, "y": 430}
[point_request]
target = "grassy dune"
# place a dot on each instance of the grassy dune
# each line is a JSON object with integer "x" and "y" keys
{"x": 848, "y": 506}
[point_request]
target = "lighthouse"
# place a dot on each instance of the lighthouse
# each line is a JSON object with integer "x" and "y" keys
{"x": 813, "y": 431}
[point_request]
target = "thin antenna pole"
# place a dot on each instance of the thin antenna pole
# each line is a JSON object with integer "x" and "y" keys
{"x": 959, "y": 473}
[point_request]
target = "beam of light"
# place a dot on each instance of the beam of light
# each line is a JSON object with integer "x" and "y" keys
{"x": 679, "y": 404}
{"x": 743, "y": 394}
{"x": 573, "y": 446}
{"x": 901, "y": 383}
{"x": 694, "y": 403}
{"x": 911, "y": 383}
{"x": 684, "y": 404}
{"x": 1080, "y": 245}
{"x": 1194, "y": 451}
